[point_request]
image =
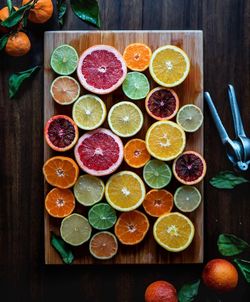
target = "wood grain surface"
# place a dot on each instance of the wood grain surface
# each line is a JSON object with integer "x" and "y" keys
{"x": 190, "y": 91}
{"x": 23, "y": 275}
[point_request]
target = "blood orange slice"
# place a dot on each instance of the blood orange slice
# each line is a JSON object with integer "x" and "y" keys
{"x": 61, "y": 133}
{"x": 162, "y": 103}
{"x": 101, "y": 69}
{"x": 189, "y": 168}
{"x": 99, "y": 152}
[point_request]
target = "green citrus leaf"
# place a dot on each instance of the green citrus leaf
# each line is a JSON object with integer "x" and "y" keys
{"x": 87, "y": 10}
{"x": 230, "y": 245}
{"x": 189, "y": 291}
{"x": 62, "y": 248}
{"x": 244, "y": 267}
{"x": 227, "y": 180}
{"x": 16, "y": 80}
{"x": 3, "y": 41}
{"x": 61, "y": 11}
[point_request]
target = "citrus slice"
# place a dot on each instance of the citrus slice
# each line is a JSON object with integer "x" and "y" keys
{"x": 135, "y": 153}
{"x": 61, "y": 171}
{"x": 64, "y": 59}
{"x": 131, "y": 227}
{"x": 137, "y": 56}
{"x": 187, "y": 198}
{"x": 99, "y": 152}
{"x": 103, "y": 245}
{"x": 101, "y": 69}
{"x": 162, "y": 103}
{"x": 169, "y": 65}
{"x": 157, "y": 174}
{"x": 65, "y": 90}
{"x": 75, "y": 229}
{"x": 190, "y": 118}
{"x": 88, "y": 190}
{"x": 136, "y": 85}
{"x": 189, "y": 168}
{"x": 89, "y": 112}
{"x": 165, "y": 140}
{"x": 102, "y": 216}
{"x": 125, "y": 119}
{"x": 158, "y": 202}
{"x": 60, "y": 203}
{"x": 173, "y": 231}
{"x": 61, "y": 133}
{"x": 125, "y": 191}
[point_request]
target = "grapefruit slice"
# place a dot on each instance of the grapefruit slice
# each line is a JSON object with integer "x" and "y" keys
{"x": 101, "y": 69}
{"x": 99, "y": 152}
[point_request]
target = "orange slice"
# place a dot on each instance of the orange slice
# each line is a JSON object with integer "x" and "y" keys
{"x": 137, "y": 56}
{"x": 135, "y": 153}
{"x": 158, "y": 202}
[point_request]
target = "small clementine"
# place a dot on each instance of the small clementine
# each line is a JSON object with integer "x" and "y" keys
{"x": 42, "y": 11}
{"x": 18, "y": 44}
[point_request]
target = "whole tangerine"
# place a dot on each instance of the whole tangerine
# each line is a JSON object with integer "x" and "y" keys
{"x": 161, "y": 291}
{"x": 4, "y": 14}
{"x": 220, "y": 275}
{"x": 18, "y": 44}
{"x": 42, "y": 11}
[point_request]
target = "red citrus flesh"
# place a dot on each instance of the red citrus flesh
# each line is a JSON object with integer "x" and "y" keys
{"x": 61, "y": 133}
{"x": 162, "y": 103}
{"x": 99, "y": 152}
{"x": 101, "y": 69}
{"x": 189, "y": 168}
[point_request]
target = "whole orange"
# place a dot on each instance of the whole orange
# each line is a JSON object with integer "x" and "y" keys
{"x": 161, "y": 291}
{"x": 4, "y": 14}
{"x": 18, "y": 44}
{"x": 42, "y": 11}
{"x": 220, "y": 275}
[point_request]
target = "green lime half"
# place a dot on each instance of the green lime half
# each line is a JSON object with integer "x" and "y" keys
{"x": 102, "y": 216}
{"x": 190, "y": 118}
{"x": 75, "y": 229}
{"x": 157, "y": 174}
{"x": 64, "y": 59}
{"x": 187, "y": 198}
{"x": 88, "y": 190}
{"x": 136, "y": 85}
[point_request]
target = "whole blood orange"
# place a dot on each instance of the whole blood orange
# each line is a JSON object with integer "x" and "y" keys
{"x": 161, "y": 291}
{"x": 42, "y": 11}
{"x": 220, "y": 275}
{"x": 18, "y": 44}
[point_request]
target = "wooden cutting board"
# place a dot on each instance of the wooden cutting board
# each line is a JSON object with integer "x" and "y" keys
{"x": 190, "y": 91}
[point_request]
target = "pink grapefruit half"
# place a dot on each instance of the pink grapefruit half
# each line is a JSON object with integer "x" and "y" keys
{"x": 99, "y": 152}
{"x": 101, "y": 69}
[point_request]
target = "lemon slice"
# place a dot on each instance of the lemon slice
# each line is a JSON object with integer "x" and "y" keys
{"x": 187, "y": 198}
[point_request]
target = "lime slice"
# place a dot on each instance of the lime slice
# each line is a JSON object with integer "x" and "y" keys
{"x": 190, "y": 118}
{"x": 64, "y": 59}
{"x": 88, "y": 190}
{"x": 136, "y": 86}
{"x": 102, "y": 216}
{"x": 157, "y": 174}
{"x": 187, "y": 198}
{"x": 75, "y": 229}
{"x": 89, "y": 112}
{"x": 125, "y": 119}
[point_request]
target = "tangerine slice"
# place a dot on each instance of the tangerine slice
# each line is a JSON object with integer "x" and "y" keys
{"x": 135, "y": 153}
{"x": 61, "y": 171}
{"x": 131, "y": 227}
{"x": 137, "y": 56}
{"x": 158, "y": 202}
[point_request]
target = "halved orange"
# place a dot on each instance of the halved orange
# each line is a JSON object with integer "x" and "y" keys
{"x": 158, "y": 202}
{"x": 135, "y": 153}
{"x": 61, "y": 171}
{"x": 131, "y": 227}
{"x": 137, "y": 56}
{"x": 60, "y": 203}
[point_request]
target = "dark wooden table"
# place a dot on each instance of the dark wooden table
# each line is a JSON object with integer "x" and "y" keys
{"x": 23, "y": 275}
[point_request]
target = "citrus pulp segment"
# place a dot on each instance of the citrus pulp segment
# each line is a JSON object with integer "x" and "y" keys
{"x": 157, "y": 174}
{"x": 135, "y": 153}
{"x": 165, "y": 140}
{"x": 103, "y": 245}
{"x": 173, "y": 231}
{"x": 169, "y": 65}
{"x": 158, "y": 202}
{"x": 101, "y": 69}
{"x": 187, "y": 198}
{"x": 136, "y": 85}
{"x": 99, "y": 152}
{"x": 190, "y": 118}
{"x": 88, "y": 190}
{"x": 125, "y": 119}
{"x": 89, "y": 112}
{"x": 137, "y": 56}
{"x": 102, "y": 216}
{"x": 64, "y": 59}
{"x": 75, "y": 229}
{"x": 125, "y": 191}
